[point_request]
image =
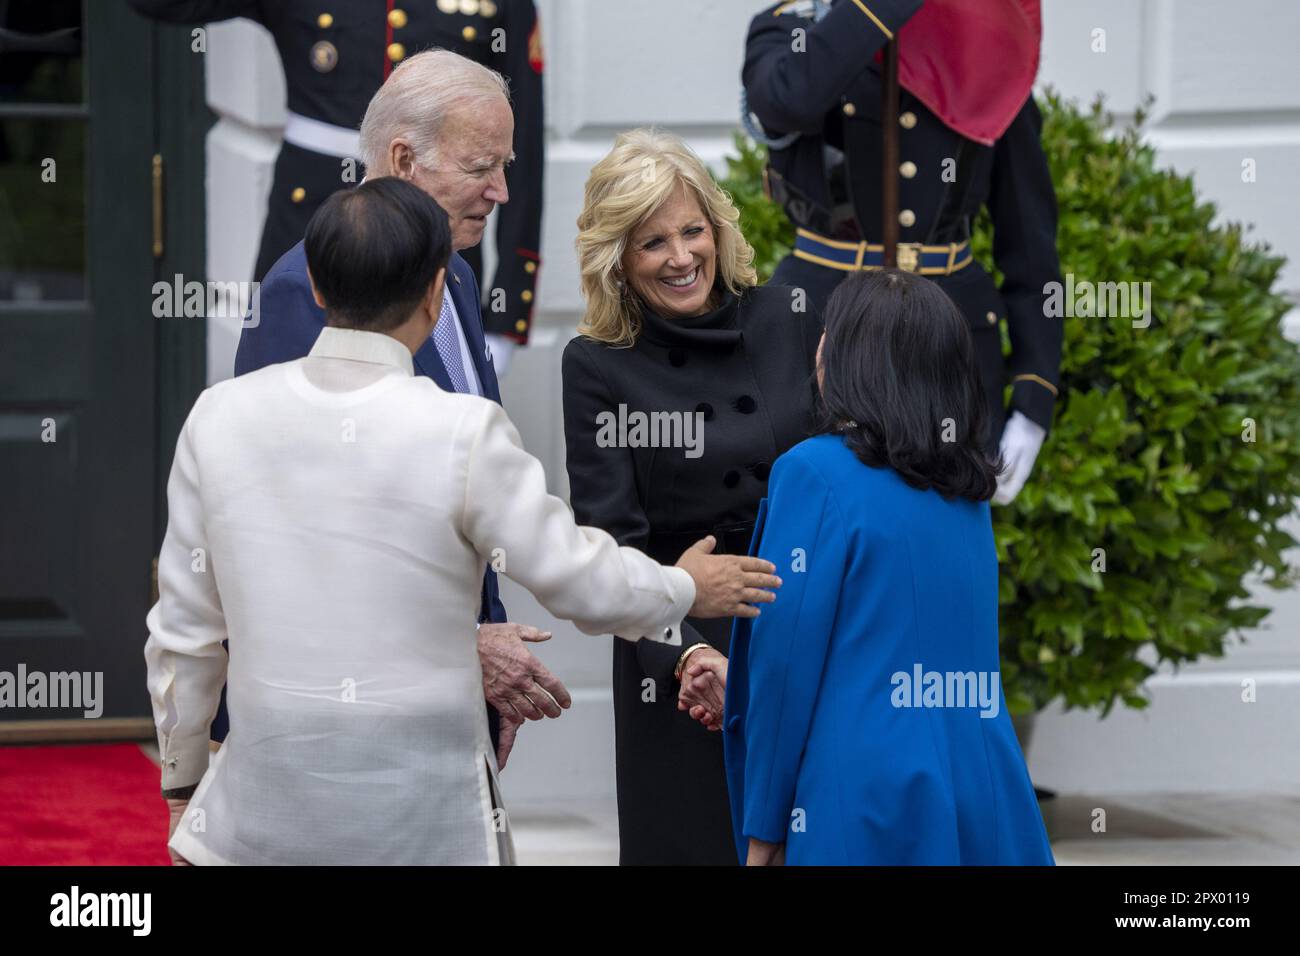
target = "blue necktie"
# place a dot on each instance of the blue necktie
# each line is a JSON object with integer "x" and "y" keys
{"x": 444, "y": 337}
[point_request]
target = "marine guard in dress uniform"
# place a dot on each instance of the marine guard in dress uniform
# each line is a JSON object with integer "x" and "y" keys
{"x": 967, "y": 135}
{"x": 336, "y": 56}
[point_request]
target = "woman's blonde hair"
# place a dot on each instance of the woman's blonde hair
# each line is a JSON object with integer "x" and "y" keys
{"x": 624, "y": 190}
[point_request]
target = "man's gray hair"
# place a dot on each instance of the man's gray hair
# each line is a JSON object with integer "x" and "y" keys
{"x": 415, "y": 100}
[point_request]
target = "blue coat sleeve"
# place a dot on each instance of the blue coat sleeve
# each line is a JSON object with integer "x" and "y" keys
{"x": 285, "y": 326}
{"x": 804, "y": 537}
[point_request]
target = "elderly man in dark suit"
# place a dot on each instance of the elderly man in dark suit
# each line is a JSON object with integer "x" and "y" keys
{"x": 444, "y": 123}
{"x": 335, "y": 56}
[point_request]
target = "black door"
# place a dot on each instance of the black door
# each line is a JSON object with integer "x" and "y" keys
{"x": 86, "y": 419}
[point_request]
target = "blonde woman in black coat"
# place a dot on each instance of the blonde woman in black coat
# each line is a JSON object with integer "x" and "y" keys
{"x": 685, "y": 384}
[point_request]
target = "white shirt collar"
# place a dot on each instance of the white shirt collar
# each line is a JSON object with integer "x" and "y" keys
{"x": 361, "y": 346}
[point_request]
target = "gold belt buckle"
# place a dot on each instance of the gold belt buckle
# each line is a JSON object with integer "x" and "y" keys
{"x": 909, "y": 256}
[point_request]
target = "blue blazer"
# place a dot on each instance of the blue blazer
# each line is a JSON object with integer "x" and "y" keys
{"x": 837, "y": 741}
{"x": 289, "y": 321}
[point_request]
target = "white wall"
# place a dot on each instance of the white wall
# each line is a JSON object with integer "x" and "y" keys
{"x": 1226, "y": 89}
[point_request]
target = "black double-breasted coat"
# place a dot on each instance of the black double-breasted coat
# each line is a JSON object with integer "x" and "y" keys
{"x": 746, "y": 368}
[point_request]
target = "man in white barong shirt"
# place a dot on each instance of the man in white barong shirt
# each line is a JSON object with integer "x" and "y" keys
{"x": 444, "y": 123}
{"x": 331, "y": 517}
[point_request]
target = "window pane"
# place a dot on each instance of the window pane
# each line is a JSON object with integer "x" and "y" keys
{"x": 42, "y": 210}
{"x": 40, "y": 52}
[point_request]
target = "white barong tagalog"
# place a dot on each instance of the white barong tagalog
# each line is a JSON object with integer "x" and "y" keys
{"x": 332, "y": 518}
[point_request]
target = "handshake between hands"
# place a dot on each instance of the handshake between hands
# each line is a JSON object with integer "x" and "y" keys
{"x": 521, "y": 688}
{"x": 741, "y": 583}
{"x": 726, "y": 586}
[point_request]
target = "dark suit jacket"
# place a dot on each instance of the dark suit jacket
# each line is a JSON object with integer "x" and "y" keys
{"x": 288, "y": 323}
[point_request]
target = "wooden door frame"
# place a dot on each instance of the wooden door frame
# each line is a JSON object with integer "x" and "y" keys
{"x": 179, "y": 127}
{"x": 182, "y": 122}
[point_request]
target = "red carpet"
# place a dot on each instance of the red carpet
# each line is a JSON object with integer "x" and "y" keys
{"x": 89, "y": 805}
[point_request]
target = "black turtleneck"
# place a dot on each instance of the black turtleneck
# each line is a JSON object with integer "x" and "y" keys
{"x": 717, "y": 328}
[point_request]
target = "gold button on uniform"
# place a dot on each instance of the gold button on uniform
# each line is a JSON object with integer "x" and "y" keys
{"x": 907, "y": 120}
{"x": 469, "y": 7}
{"x": 448, "y": 6}
{"x": 521, "y": 326}
{"x": 298, "y": 194}
{"x": 907, "y": 170}
{"x": 469, "y": 33}
{"x": 849, "y": 109}
{"x": 325, "y": 21}
{"x": 907, "y": 218}
{"x": 396, "y": 51}
{"x": 530, "y": 267}
{"x": 487, "y": 8}
{"x": 526, "y": 295}
{"x": 396, "y": 18}
{"x": 992, "y": 317}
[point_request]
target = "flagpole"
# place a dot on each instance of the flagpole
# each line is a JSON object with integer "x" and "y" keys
{"x": 889, "y": 158}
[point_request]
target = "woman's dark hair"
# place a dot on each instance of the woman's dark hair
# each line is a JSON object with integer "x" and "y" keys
{"x": 900, "y": 383}
{"x": 373, "y": 252}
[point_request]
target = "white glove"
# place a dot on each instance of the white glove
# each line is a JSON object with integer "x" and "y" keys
{"x": 1021, "y": 441}
{"x": 503, "y": 349}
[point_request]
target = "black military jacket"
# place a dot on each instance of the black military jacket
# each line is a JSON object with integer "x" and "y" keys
{"x": 825, "y": 85}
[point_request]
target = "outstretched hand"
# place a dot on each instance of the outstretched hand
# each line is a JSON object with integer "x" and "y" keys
{"x": 515, "y": 682}
{"x": 727, "y": 585}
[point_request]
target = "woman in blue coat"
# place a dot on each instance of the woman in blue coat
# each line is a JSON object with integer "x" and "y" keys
{"x": 865, "y": 721}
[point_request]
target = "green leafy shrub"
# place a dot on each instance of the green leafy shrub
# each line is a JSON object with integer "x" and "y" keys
{"x": 1150, "y": 458}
